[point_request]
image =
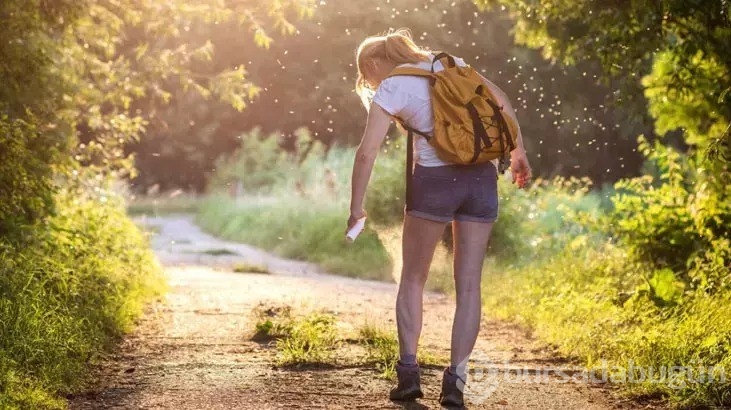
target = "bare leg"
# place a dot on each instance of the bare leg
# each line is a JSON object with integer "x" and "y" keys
{"x": 470, "y": 244}
{"x": 420, "y": 238}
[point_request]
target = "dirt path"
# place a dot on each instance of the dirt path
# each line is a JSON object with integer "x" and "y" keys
{"x": 193, "y": 351}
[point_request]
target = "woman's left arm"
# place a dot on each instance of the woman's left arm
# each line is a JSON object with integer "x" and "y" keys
{"x": 365, "y": 157}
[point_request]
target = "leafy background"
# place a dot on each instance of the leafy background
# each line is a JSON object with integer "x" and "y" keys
{"x": 626, "y": 112}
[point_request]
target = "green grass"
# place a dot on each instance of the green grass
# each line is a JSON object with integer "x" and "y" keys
{"x": 218, "y": 252}
{"x": 590, "y": 303}
{"x": 297, "y": 228}
{"x": 163, "y": 204}
{"x": 305, "y": 339}
{"x": 312, "y": 340}
{"x": 250, "y": 268}
{"x": 67, "y": 295}
{"x": 381, "y": 348}
{"x": 312, "y": 231}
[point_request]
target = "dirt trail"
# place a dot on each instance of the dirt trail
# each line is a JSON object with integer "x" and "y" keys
{"x": 193, "y": 350}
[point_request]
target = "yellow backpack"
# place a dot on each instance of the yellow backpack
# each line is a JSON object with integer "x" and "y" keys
{"x": 469, "y": 125}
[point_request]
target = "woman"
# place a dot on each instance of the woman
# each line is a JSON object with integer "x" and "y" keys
{"x": 441, "y": 193}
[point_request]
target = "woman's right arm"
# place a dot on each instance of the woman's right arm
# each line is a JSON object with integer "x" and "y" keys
{"x": 365, "y": 157}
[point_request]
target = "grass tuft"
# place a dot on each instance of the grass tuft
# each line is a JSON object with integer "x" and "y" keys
{"x": 218, "y": 252}
{"x": 312, "y": 340}
{"x": 299, "y": 340}
{"x": 381, "y": 348}
{"x": 242, "y": 267}
{"x": 272, "y": 323}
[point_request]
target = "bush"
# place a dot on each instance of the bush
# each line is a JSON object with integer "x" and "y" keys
{"x": 260, "y": 165}
{"x": 544, "y": 219}
{"x": 679, "y": 219}
{"x": 29, "y": 158}
{"x": 593, "y": 303}
{"x": 68, "y": 295}
{"x": 257, "y": 164}
{"x": 645, "y": 285}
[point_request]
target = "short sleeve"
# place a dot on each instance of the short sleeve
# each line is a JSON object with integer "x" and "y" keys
{"x": 388, "y": 96}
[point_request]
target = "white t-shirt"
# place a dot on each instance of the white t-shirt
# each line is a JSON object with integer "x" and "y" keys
{"x": 408, "y": 98}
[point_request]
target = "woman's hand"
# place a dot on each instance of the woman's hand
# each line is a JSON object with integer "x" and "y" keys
{"x": 354, "y": 216}
{"x": 520, "y": 168}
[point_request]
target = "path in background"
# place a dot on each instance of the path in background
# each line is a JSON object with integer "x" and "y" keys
{"x": 193, "y": 350}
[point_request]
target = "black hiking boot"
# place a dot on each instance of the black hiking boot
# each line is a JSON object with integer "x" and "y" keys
{"x": 409, "y": 384}
{"x": 452, "y": 396}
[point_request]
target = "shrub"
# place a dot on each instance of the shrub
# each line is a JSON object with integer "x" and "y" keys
{"x": 26, "y": 185}
{"x": 645, "y": 285}
{"x": 679, "y": 219}
{"x": 594, "y": 304}
{"x": 542, "y": 220}
{"x": 257, "y": 164}
{"x": 67, "y": 295}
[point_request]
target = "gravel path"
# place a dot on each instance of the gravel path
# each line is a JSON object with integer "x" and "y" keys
{"x": 192, "y": 350}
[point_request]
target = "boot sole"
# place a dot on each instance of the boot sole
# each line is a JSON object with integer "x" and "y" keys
{"x": 410, "y": 396}
{"x": 450, "y": 404}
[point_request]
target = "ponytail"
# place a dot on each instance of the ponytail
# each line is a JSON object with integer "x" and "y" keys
{"x": 395, "y": 46}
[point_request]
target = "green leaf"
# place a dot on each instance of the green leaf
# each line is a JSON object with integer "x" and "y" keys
{"x": 666, "y": 287}
{"x": 141, "y": 50}
{"x": 723, "y": 95}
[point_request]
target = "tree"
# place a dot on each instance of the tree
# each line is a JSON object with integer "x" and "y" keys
{"x": 142, "y": 55}
{"x": 75, "y": 75}
{"x": 33, "y": 143}
{"x": 677, "y": 51}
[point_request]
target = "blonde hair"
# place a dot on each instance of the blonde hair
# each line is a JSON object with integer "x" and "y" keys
{"x": 395, "y": 47}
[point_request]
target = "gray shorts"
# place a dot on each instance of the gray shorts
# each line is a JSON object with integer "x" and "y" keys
{"x": 455, "y": 192}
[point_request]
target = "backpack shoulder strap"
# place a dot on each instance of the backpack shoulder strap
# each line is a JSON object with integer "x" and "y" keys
{"x": 442, "y": 57}
{"x": 409, "y": 129}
